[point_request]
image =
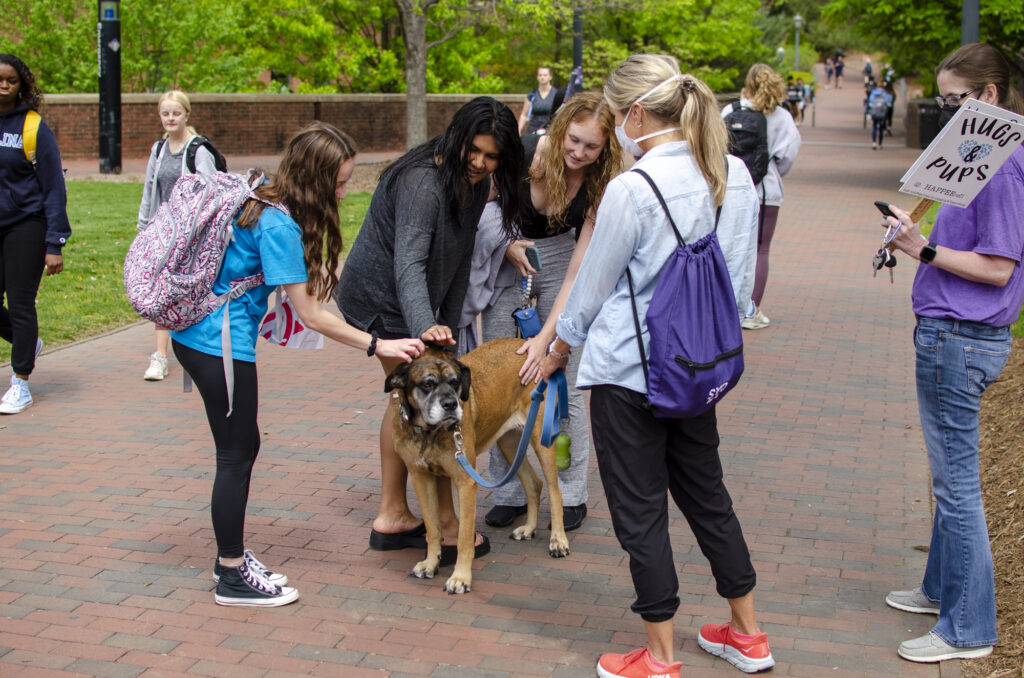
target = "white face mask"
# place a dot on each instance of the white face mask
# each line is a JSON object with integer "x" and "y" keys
{"x": 632, "y": 146}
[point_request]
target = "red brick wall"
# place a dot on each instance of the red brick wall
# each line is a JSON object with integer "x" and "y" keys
{"x": 249, "y": 124}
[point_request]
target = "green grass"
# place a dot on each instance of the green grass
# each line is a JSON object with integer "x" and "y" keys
{"x": 88, "y": 297}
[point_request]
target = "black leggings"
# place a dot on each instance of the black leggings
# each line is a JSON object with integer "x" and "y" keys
{"x": 22, "y": 257}
{"x": 236, "y": 438}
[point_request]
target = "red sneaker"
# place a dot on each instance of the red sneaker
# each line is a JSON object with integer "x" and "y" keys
{"x": 636, "y": 664}
{"x": 749, "y": 656}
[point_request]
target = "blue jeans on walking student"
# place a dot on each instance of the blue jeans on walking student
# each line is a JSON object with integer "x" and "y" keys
{"x": 956, "y": 362}
{"x": 878, "y": 130}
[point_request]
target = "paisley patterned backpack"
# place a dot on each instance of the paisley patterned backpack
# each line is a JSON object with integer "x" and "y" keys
{"x": 171, "y": 266}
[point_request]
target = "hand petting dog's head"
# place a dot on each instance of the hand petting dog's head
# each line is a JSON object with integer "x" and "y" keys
{"x": 430, "y": 388}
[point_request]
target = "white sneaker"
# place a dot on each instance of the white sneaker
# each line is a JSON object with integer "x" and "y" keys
{"x": 755, "y": 322}
{"x": 929, "y": 649}
{"x": 157, "y": 369}
{"x": 17, "y": 399}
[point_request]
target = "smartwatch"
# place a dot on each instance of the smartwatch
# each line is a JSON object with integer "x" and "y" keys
{"x": 927, "y": 254}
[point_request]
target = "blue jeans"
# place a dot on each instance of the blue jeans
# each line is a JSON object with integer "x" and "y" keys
{"x": 956, "y": 361}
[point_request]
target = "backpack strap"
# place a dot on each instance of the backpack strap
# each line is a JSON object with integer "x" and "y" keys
{"x": 29, "y": 135}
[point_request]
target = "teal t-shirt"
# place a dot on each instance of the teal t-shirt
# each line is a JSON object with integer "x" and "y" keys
{"x": 274, "y": 246}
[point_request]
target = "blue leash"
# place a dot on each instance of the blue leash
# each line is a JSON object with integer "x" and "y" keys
{"x": 556, "y": 410}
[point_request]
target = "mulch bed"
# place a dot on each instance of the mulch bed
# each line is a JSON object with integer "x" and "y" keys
{"x": 1002, "y": 479}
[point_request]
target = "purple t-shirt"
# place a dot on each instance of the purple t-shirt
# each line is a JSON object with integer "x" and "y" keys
{"x": 992, "y": 224}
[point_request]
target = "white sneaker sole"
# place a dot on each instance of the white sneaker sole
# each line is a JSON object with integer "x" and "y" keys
{"x": 288, "y": 595}
{"x": 149, "y": 376}
{"x": 735, "y": 657}
{"x": 954, "y": 653}
{"x": 10, "y": 409}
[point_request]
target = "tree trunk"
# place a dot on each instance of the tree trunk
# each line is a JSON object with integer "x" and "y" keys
{"x": 414, "y": 27}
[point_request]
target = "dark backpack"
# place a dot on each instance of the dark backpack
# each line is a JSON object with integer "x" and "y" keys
{"x": 220, "y": 163}
{"x": 748, "y": 139}
{"x": 877, "y": 107}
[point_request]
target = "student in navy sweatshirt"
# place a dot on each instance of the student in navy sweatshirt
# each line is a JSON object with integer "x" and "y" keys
{"x": 33, "y": 223}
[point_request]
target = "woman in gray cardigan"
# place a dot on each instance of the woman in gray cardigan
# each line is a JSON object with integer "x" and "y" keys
{"x": 167, "y": 163}
{"x": 408, "y": 270}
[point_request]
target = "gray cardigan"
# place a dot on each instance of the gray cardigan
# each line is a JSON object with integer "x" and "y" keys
{"x": 147, "y": 209}
{"x": 409, "y": 266}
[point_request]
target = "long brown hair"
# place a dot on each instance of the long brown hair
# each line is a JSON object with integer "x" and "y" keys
{"x": 764, "y": 88}
{"x": 551, "y": 174}
{"x": 687, "y": 100}
{"x": 980, "y": 64}
{"x": 305, "y": 182}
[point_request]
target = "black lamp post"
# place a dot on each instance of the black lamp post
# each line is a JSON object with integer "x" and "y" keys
{"x": 108, "y": 37}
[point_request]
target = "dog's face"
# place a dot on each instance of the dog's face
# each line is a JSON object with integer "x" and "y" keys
{"x": 432, "y": 385}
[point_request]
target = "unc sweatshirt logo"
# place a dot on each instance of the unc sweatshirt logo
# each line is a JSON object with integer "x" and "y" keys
{"x": 10, "y": 140}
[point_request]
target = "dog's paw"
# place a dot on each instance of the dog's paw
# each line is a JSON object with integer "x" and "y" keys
{"x": 522, "y": 533}
{"x": 425, "y": 570}
{"x": 456, "y": 585}
{"x": 558, "y": 547}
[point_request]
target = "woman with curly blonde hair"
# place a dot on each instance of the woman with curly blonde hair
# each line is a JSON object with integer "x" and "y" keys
{"x": 569, "y": 169}
{"x": 765, "y": 91}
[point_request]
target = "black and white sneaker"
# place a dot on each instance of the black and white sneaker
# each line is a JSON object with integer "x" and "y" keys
{"x": 242, "y": 586}
{"x": 275, "y": 578}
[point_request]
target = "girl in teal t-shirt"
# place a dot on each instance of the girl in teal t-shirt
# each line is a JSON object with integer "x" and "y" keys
{"x": 310, "y": 181}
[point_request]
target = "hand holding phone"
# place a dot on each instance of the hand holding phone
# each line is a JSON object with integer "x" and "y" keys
{"x": 883, "y": 207}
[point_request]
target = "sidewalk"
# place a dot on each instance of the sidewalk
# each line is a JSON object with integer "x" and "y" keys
{"x": 106, "y": 548}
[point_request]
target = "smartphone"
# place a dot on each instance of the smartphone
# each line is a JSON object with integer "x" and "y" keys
{"x": 883, "y": 207}
{"x": 533, "y": 256}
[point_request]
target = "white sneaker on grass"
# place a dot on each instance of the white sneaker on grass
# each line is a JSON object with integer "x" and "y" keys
{"x": 18, "y": 398}
{"x": 157, "y": 369}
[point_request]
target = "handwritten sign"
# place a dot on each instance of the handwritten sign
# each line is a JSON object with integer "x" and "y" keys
{"x": 972, "y": 146}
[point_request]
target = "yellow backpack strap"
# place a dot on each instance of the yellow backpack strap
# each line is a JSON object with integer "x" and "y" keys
{"x": 29, "y": 134}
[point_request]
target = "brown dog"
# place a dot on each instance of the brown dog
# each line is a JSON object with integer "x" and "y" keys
{"x": 435, "y": 398}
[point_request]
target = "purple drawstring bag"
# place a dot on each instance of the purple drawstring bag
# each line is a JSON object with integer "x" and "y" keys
{"x": 696, "y": 343}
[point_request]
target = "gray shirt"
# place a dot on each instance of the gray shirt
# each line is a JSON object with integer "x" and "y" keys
{"x": 409, "y": 266}
{"x": 167, "y": 174}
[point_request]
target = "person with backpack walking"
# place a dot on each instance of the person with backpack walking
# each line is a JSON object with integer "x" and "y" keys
{"x": 566, "y": 174}
{"x": 764, "y": 93}
{"x": 33, "y": 220}
{"x": 408, "y": 271}
{"x": 285, "y": 241}
{"x": 967, "y": 292}
{"x": 693, "y": 191}
{"x": 171, "y": 157}
{"x": 878, "y": 105}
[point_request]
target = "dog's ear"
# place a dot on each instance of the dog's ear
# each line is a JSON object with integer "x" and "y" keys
{"x": 463, "y": 381}
{"x": 399, "y": 378}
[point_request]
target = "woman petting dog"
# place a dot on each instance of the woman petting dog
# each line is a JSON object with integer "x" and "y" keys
{"x": 288, "y": 249}
{"x": 671, "y": 122}
{"x": 569, "y": 169}
{"x": 412, "y": 258}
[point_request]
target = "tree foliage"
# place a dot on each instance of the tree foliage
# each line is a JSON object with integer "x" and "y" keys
{"x": 917, "y": 34}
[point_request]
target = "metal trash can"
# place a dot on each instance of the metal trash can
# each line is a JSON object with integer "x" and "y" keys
{"x": 927, "y": 121}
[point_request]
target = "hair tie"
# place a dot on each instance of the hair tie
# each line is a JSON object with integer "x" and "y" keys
{"x": 688, "y": 86}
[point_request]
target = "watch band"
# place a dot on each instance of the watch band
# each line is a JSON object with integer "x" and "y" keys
{"x": 928, "y": 252}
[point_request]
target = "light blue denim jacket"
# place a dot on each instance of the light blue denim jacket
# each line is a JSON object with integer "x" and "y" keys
{"x": 632, "y": 229}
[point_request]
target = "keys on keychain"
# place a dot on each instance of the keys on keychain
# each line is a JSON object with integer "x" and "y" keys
{"x": 883, "y": 257}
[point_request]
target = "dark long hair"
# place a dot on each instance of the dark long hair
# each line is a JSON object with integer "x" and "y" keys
{"x": 29, "y": 94}
{"x": 979, "y": 64}
{"x": 482, "y": 115}
{"x": 306, "y": 181}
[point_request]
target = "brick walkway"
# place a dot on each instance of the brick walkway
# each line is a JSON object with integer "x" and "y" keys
{"x": 106, "y": 546}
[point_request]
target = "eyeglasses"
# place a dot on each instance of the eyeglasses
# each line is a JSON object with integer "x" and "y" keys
{"x": 955, "y": 99}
